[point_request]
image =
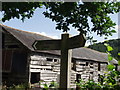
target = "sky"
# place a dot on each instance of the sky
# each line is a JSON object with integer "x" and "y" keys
{"x": 39, "y": 24}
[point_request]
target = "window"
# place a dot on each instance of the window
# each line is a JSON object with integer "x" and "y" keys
{"x": 49, "y": 69}
{"x": 98, "y": 66}
{"x": 55, "y": 60}
{"x": 91, "y": 63}
{"x": 74, "y": 67}
{"x": 49, "y": 59}
{"x": 91, "y": 72}
{"x": 86, "y": 63}
{"x": 82, "y": 64}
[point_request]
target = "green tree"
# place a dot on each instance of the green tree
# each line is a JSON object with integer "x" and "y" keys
{"x": 68, "y": 13}
{"x": 115, "y": 43}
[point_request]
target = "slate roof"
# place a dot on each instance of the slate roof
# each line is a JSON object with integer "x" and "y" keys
{"x": 90, "y": 54}
{"x": 28, "y": 38}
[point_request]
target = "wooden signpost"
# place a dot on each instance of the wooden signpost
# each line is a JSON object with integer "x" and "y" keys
{"x": 47, "y": 45}
{"x": 65, "y": 45}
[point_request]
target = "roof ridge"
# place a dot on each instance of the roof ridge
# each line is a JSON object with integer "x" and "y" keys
{"x": 25, "y": 31}
{"x": 95, "y": 50}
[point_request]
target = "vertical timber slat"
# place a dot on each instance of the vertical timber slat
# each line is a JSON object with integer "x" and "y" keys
{"x": 65, "y": 68}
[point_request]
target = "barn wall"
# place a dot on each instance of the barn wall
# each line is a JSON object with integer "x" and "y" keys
{"x": 47, "y": 65}
{"x": 14, "y": 61}
{"x": 90, "y": 70}
{"x": 49, "y": 68}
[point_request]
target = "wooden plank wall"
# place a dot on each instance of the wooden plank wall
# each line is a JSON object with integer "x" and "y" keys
{"x": 49, "y": 68}
{"x": 15, "y": 61}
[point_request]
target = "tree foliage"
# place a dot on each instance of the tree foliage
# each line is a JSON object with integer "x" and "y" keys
{"x": 19, "y": 10}
{"x": 115, "y": 44}
{"x": 69, "y": 13}
{"x": 77, "y": 15}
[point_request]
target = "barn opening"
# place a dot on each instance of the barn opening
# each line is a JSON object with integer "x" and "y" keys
{"x": 35, "y": 77}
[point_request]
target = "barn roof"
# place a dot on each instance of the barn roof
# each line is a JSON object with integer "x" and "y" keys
{"x": 28, "y": 38}
{"x": 90, "y": 54}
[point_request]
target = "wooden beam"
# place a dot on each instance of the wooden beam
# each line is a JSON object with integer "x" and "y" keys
{"x": 65, "y": 68}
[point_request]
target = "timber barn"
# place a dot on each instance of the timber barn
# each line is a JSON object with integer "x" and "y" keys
{"x": 22, "y": 64}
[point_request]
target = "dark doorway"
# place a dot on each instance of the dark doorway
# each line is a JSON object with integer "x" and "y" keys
{"x": 19, "y": 62}
{"x": 35, "y": 77}
{"x": 78, "y": 77}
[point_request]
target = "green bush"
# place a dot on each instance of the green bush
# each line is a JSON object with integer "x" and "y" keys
{"x": 23, "y": 86}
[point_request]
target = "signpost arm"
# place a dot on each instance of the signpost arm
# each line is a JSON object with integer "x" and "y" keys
{"x": 65, "y": 68}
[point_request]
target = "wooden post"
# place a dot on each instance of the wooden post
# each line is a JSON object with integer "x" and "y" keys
{"x": 65, "y": 68}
